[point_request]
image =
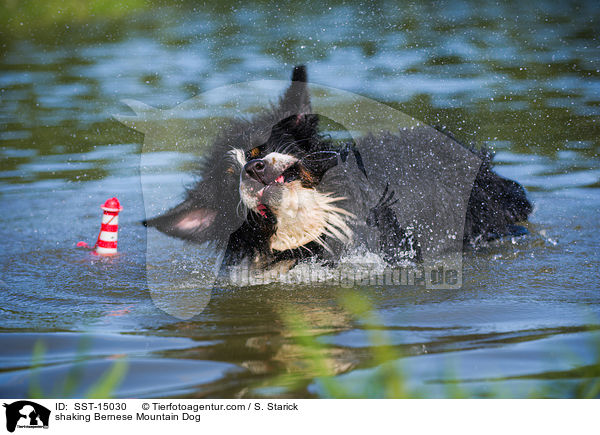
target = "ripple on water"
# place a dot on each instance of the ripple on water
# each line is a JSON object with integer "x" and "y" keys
{"x": 95, "y": 355}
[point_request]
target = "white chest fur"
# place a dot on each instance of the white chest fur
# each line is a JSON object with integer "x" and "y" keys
{"x": 305, "y": 215}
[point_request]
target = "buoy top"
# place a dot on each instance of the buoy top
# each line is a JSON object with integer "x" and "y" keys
{"x": 111, "y": 204}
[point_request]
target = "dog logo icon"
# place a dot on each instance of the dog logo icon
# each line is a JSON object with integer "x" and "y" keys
{"x": 26, "y": 414}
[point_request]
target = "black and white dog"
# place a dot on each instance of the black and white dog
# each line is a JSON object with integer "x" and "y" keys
{"x": 274, "y": 191}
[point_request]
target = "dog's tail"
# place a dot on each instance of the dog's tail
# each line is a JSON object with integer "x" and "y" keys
{"x": 495, "y": 206}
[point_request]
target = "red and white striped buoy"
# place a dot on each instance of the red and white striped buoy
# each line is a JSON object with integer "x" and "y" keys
{"x": 107, "y": 239}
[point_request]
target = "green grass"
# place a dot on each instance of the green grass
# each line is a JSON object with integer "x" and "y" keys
{"x": 19, "y": 17}
{"x": 103, "y": 388}
{"x": 388, "y": 382}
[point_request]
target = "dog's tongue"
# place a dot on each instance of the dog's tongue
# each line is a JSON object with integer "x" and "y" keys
{"x": 262, "y": 209}
{"x": 280, "y": 179}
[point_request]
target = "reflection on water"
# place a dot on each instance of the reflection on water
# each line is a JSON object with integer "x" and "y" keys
{"x": 523, "y": 81}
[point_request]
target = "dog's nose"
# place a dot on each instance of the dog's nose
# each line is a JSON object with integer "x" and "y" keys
{"x": 256, "y": 169}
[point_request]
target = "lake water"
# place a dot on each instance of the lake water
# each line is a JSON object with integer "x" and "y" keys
{"x": 524, "y": 81}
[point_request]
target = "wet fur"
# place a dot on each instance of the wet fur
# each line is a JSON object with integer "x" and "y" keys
{"x": 304, "y": 220}
{"x": 307, "y": 215}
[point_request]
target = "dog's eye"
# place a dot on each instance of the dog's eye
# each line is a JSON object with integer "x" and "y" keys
{"x": 292, "y": 173}
{"x": 255, "y": 152}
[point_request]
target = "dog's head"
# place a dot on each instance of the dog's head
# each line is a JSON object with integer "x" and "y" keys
{"x": 267, "y": 169}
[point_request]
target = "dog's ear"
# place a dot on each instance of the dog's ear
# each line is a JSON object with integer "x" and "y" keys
{"x": 302, "y": 128}
{"x": 187, "y": 221}
{"x": 296, "y": 99}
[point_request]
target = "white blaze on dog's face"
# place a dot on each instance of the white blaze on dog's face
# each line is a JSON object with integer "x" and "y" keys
{"x": 303, "y": 213}
{"x": 254, "y": 190}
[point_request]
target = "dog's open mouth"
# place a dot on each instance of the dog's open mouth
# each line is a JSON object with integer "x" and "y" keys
{"x": 262, "y": 208}
{"x": 287, "y": 176}
{"x": 278, "y": 180}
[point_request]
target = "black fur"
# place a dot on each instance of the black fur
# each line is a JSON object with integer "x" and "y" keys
{"x": 397, "y": 244}
{"x": 495, "y": 205}
{"x": 251, "y": 239}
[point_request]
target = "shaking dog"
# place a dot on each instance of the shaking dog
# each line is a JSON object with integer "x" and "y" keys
{"x": 274, "y": 191}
